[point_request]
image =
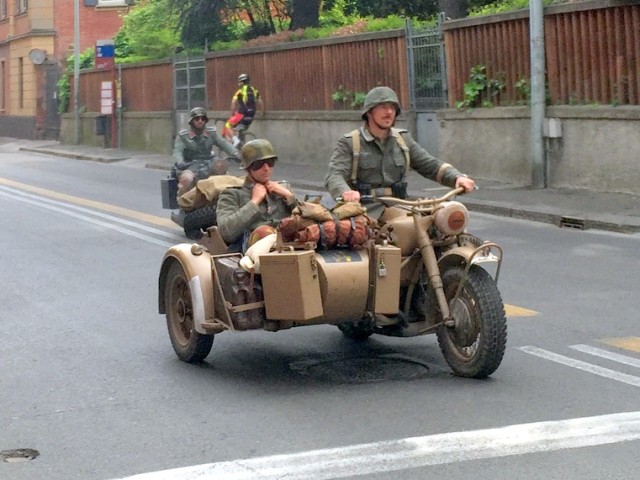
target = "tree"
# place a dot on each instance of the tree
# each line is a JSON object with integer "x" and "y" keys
{"x": 150, "y": 30}
{"x": 304, "y": 13}
{"x": 453, "y": 8}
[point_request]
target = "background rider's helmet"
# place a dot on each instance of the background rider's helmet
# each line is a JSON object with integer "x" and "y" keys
{"x": 378, "y": 96}
{"x": 243, "y": 78}
{"x": 197, "y": 112}
{"x": 255, "y": 150}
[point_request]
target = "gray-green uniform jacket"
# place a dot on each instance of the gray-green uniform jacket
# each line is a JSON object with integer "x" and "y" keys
{"x": 381, "y": 164}
{"x": 192, "y": 151}
{"x": 237, "y": 214}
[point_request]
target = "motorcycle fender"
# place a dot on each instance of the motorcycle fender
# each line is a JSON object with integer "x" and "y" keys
{"x": 461, "y": 256}
{"x": 196, "y": 263}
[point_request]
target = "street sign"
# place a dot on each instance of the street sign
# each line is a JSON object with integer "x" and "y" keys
{"x": 106, "y": 98}
{"x": 105, "y": 54}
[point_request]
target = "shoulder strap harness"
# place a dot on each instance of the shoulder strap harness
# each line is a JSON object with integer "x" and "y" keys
{"x": 355, "y": 139}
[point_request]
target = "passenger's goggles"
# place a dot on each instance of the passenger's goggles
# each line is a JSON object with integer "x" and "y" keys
{"x": 258, "y": 164}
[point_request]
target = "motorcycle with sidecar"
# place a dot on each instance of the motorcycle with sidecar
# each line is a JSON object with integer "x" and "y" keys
{"x": 420, "y": 273}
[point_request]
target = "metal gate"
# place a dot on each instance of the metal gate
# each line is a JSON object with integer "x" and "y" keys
{"x": 190, "y": 83}
{"x": 428, "y": 80}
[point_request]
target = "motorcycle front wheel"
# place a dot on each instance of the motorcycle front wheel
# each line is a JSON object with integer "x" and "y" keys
{"x": 475, "y": 345}
{"x": 189, "y": 345}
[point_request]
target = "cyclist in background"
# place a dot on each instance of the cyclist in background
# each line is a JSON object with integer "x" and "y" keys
{"x": 244, "y": 104}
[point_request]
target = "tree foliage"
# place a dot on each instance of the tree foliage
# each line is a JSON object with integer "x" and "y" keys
{"x": 149, "y": 31}
{"x": 157, "y": 28}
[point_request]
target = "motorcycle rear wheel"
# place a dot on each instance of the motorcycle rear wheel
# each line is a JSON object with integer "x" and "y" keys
{"x": 189, "y": 345}
{"x": 474, "y": 347}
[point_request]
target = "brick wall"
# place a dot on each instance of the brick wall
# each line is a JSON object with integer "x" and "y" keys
{"x": 95, "y": 24}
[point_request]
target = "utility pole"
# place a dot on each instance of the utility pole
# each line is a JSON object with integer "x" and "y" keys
{"x": 76, "y": 68}
{"x": 536, "y": 34}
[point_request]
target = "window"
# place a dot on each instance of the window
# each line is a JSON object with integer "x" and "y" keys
{"x": 21, "y": 6}
{"x": 112, "y": 3}
{"x": 3, "y": 9}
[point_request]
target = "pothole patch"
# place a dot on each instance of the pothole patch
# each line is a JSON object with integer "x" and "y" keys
{"x": 18, "y": 455}
{"x": 369, "y": 369}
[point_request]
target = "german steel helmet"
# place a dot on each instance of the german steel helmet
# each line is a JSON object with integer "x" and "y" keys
{"x": 197, "y": 112}
{"x": 255, "y": 150}
{"x": 378, "y": 96}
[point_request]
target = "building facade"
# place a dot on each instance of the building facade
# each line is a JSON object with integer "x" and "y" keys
{"x": 36, "y": 37}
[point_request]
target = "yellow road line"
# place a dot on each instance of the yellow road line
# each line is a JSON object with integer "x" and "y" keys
{"x": 514, "y": 311}
{"x": 626, "y": 343}
{"x": 125, "y": 212}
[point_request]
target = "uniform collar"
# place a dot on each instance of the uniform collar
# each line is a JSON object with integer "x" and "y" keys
{"x": 366, "y": 134}
{"x": 193, "y": 134}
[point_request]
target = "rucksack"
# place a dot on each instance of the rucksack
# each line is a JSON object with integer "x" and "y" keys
{"x": 248, "y": 104}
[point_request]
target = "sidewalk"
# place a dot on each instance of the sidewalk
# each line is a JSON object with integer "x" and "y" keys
{"x": 580, "y": 209}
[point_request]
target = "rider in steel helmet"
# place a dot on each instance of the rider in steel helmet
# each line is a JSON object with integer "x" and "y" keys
{"x": 256, "y": 150}
{"x": 198, "y": 112}
{"x": 378, "y": 96}
{"x": 243, "y": 79}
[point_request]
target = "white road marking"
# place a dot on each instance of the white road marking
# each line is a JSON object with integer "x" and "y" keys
{"x": 584, "y": 366}
{"x": 616, "y": 357}
{"x": 66, "y": 211}
{"x": 396, "y": 455}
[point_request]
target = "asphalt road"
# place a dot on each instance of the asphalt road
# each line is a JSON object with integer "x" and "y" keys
{"x": 90, "y": 382}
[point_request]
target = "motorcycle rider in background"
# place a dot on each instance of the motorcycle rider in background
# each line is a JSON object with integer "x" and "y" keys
{"x": 192, "y": 150}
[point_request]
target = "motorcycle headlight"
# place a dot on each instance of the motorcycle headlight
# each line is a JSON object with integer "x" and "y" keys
{"x": 452, "y": 218}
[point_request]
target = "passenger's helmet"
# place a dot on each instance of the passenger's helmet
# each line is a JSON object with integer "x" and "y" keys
{"x": 243, "y": 78}
{"x": 197, "y": 112}
{"x": 255, "y": 150}
{"x": 378, "y": 96}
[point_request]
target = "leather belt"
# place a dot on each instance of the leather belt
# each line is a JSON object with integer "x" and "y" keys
{"x": 382, "y": 192}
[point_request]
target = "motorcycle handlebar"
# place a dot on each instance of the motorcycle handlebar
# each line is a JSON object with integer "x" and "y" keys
{"x": 421, "y": 202}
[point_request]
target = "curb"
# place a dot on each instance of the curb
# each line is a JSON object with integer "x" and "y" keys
{"x": 73, "y": 155}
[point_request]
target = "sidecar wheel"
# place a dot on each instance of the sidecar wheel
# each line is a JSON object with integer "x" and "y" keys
{"x": 475, "y": 346}
{"x": 189, "y": 345}
{"x": 355, "y": 331}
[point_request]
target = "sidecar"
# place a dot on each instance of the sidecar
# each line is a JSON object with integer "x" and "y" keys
{"x": 204, "y": 291}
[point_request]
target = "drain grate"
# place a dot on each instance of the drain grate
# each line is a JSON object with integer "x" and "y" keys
{"x": 572, "y": 222}
{"x": 18, "y": 455}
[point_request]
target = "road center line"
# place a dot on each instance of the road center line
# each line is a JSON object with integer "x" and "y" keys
{"x": 396, "y": 455}
{"x": 580, "y": 365}
{"x": 125, "y": 212}
{"x": 93, "y": 220}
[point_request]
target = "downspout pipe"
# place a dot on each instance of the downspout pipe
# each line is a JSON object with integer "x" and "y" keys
{"x": 536, "y": 34}
{"x": 76, "y": 69}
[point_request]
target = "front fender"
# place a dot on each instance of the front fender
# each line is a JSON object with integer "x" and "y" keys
{"x": 466, "y": 254}
{"x": 196, "y": 264}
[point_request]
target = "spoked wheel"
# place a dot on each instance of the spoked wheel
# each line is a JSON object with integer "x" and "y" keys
{"x": 474, "y": 347}
{"x": 189, "y": 345}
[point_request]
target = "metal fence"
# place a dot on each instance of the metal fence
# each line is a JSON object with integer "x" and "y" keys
{"x": 427, "y": 72}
